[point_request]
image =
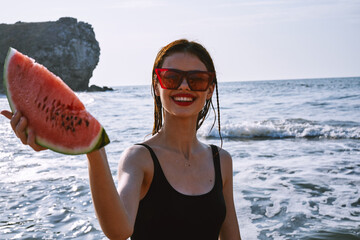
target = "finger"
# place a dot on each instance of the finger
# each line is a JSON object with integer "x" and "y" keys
{"x": 20, "y": 130}
{"x": 31, "y": 141}
{"x": 7, "y": 114}
{"x": 14, "y": 121}
{"x": 38, "y": 148}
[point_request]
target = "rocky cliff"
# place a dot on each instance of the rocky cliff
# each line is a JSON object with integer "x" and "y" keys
{"x": 68, "y": 48}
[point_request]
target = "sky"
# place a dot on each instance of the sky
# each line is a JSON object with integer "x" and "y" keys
{"x": 248, "y": 39}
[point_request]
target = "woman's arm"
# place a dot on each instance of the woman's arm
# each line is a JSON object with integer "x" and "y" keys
{"x": 116, "y": 210}
{"x": 110, "y": 211}
{"x": 230, "y": 228}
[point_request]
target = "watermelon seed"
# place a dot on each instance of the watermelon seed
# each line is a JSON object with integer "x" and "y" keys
{"x": 67, "y": 118}
{"x": 47, "y": 110}
{"x": 45, "y": 98}
{"x": 39, "y": 105}
{"x": 75, "y": 117}
{"x": 79, "y": 122}
{"x": 43, "y": 107}
{"x": 87, "y": 123}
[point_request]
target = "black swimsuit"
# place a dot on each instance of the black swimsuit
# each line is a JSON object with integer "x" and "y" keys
{"x": 164, "y": 213}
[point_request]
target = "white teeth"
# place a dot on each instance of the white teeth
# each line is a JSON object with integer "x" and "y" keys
{"x": 183, "y": 99}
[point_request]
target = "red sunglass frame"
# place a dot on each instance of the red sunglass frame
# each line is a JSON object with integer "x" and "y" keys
{"x": 184, "y": 74}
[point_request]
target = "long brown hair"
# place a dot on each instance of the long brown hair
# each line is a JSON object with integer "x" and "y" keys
{"x": 196, "y": 49}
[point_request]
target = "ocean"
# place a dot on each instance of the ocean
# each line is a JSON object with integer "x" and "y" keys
{"x": 295, "y": 146}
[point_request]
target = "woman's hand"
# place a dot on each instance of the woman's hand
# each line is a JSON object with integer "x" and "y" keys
{"x": 19, "y": 124}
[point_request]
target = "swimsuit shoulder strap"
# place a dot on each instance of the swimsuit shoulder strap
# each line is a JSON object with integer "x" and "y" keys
{"x": 217, "y": 166}
{"x": 152, "y": 153}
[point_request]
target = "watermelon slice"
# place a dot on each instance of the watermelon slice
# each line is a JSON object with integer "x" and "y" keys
{"x": 56, "y": 115}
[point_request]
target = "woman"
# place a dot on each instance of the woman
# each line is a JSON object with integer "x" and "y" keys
{"x": 172, "y": 186}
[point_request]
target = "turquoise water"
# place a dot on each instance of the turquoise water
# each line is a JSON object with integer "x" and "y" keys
{"x": 295, "y": 146}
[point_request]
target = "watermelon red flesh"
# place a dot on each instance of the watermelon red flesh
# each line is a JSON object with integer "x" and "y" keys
{"x": 56, "y": 115}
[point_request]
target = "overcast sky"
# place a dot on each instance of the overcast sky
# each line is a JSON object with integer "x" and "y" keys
{"x": 248, "y": 39}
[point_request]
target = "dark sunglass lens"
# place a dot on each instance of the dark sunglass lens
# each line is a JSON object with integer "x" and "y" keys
{"x": 170, "y": 79}
{"x": 199, "y": 81}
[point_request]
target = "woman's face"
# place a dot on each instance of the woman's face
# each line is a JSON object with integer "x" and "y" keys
{"x": 183, "y": 102}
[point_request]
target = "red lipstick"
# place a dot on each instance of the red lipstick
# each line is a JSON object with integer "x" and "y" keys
{"x": 183, "y": 99}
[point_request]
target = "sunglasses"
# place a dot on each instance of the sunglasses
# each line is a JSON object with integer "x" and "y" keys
{"x": 196, "y": 80}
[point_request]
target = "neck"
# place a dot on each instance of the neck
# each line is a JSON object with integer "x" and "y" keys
{"x": 179, "y": 134}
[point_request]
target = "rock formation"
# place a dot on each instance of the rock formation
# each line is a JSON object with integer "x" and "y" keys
{"x": 66, "y": 47}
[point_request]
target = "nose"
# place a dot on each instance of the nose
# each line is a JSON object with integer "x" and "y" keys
{"x": 184, "y": 84}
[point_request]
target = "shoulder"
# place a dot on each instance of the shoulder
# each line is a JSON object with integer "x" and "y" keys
{"x": 135, "y": 156}
{"x": 225, "y": 157}
{"x": 135, "y": 171}
{"x": 135, "y": 151}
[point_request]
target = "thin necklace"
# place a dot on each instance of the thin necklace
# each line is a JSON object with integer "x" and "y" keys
{"x": 187, "y": 162}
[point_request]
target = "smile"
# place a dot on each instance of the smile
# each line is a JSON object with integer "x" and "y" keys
{"x": 183, "y": 99}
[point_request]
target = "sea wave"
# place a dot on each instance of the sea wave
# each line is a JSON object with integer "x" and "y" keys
{"x": 289, "y": 128}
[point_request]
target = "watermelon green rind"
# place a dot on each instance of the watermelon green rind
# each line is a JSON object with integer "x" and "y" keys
{"x": 101, "y": 141}
{"x": 95, "y": 142}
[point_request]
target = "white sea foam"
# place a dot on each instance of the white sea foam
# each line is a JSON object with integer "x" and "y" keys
{"x": 277, "y": 129}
